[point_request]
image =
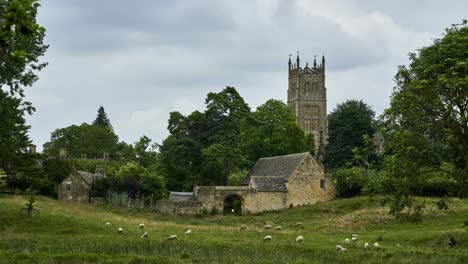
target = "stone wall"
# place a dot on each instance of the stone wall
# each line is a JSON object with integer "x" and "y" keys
{"x": 305, "y": 185}
{"x": 189, "y": 207}
{"x": 79, "y": 189}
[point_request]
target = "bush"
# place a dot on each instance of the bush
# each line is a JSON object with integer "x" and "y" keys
{"x": 350, "y": 182}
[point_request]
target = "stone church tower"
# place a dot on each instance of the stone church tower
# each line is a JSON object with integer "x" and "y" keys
{"x": 307, "y": 98}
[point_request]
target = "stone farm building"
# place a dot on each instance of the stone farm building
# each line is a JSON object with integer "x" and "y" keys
{"x": 272, "y": 184}
{"x": 77, "y": 186}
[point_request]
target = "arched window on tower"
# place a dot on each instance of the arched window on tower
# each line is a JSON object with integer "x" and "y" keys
{"x": 307, "y": 90}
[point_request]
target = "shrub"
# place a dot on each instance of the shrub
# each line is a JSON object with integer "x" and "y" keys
{"x": 350, "y": 182}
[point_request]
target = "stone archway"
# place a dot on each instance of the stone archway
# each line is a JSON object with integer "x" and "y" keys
{"x": 233, "y": 205}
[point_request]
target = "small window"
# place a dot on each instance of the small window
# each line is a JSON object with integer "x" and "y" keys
{"x": 322, "y": 184}
{"x": 69, "y": 186}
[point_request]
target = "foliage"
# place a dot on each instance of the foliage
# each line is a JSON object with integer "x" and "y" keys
{"x": 347, "y": 124}
{"x": 132, "y": 179}
{"x": 272, "y": 131}
{"x": 85, "y": 140}
{"x": 426, "y": 123}
{"x": 13, "y": 134}
{"x": 203, "y": 147}
{"x": 102, "y": 120}
{"x": 21, "y": 45}
{"x": 30, "y": 202}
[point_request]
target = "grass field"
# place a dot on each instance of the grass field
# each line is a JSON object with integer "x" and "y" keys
{"x": 65, "y": 232}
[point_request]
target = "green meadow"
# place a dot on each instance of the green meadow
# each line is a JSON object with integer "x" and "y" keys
{"x": 64, "y": 232}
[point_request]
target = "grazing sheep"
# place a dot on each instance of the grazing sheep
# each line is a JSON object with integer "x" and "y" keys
{"x": 267, "y": 238}
{"x": 346, "y": 241}
{"x": 145, "y": 235}
{"x": 299, "y": 239}
{"x": 120, "y": 230}
{"x": 376, "y": 245}
{"x": 278, "y": 228}
{"x": 243, "y": 227}
{"x": 142, "y": 226}
{"x": 299, "y": 225}
{"x": 188, "y": 232}
{"x": 340, "y": 248}
{"x": 366, "y": 245}
{"x": 354, "y": 239}
{"x": 232, "y": 210}
{"x": 107, "y": 224}
{"x": 173, "y": 237}
{"x": 267, "y": 227}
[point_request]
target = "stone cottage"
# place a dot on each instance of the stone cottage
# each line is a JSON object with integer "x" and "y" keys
{"x": 77, "y": 186}
{"x": 273, "y": 183}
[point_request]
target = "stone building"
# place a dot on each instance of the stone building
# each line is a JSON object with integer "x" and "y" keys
{"x": 307, "y": 97}
{"x": 272, "y": 184}
{"x": 77, "y": 186}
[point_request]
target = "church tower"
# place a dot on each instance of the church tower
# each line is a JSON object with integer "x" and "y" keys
{"x": 307, "y": 98}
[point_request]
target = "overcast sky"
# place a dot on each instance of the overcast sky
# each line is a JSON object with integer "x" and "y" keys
{"x": 143, "y": 59}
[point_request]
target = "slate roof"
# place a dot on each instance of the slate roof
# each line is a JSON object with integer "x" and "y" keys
{"x": 279, "y": 167}
{"x": 180, "y": 196}
{"x": 269, "y": 184}
{"x": 89, "y": 177}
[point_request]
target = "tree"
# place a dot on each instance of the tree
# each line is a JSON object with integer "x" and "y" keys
{"x": 89, "y": 140}
{"x": 145, "y": 152}
{"x": 224, "y": 112}
{"x": 13, "y": 133}
{"x": 426, "y": 123}
{"x": 347, "y": 124}
{"x": 102, "y": 120}
{"x": 21, "y": 45}
{"x": 272, "y": 131}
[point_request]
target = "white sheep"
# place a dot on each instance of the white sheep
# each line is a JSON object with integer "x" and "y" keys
{"x": 142, "y": 226}
{"x": 267, "y": 227}
{"x": 188, "y": 232}
{"x": 346, "y": 240}
{"x": 299, "y": 225}
{"x": 145, "y": 235}
{"x": 267, "y": 238}
{"x": 340, "y": 248}
{"x": 172, "y": 237}
{"x": 278, "y": 228}
{"x": 366, "y": 245}
{"x": 243, "y": 227}
{"x": 107, "y": 224}
{"x": 299, "y": 239}
{"x": 376, "y": 245}
{"x": 120, "y": 230}
{"x": 354, "y": 239}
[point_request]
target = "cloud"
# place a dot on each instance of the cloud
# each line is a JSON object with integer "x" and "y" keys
{"x": 142, "y": 60}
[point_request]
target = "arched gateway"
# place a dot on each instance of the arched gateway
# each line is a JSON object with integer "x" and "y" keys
{"x": 233, "y": 204}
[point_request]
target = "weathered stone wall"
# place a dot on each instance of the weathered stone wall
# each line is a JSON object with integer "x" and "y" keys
{"x": 79, "y": 189}
{"x": 189, "y": 207}
{"x": 269, "y": 201}
{"x": 304, "y": 185}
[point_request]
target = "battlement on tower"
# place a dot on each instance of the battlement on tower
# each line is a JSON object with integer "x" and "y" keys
{"x": 315, "y": 69}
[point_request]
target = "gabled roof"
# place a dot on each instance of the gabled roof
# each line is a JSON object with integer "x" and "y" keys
{"x": 268, "y": 184}
{"x": 280, "y": 166}
{"x": 89, "y": 177}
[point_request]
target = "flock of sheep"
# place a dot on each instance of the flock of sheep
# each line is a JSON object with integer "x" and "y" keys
{"x": 267, "y": 238}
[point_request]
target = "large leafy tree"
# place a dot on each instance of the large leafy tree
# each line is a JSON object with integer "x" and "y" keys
{"x": 426, "y": 124}
{"x": 92, "y": 141}
{"x": 347, "y": 124}
{"x": 21, "y": 45}
{"x": 102, "y": 120}
{"x": 187, "y": 156}
{"x": 272, "y": 131}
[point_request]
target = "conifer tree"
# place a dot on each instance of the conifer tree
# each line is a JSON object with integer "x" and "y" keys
{"x": 102, "y": 120}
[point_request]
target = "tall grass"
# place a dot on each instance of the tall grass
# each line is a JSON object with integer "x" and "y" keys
{"x": 123, "y": 200}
